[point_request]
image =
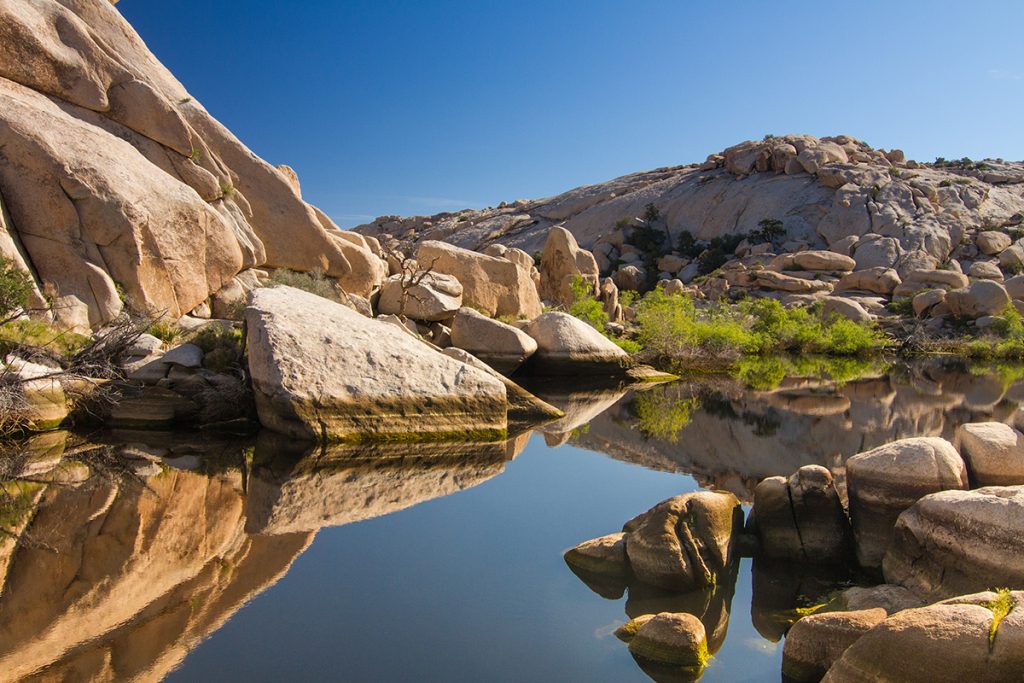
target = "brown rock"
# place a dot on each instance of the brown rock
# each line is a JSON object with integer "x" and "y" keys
{"x": 818, "y": 640}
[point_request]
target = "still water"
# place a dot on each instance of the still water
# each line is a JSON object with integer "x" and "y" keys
{"x": 188, "y": 558}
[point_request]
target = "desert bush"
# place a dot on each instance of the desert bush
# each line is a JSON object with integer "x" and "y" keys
{"x": 222, "y": 346}
{"x": 314, "y": 282}
{"x": 585, "y": 306}
{"x": 15, "y": 288}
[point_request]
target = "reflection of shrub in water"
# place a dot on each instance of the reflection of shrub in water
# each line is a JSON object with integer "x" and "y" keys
{"x": 662, "y": 416}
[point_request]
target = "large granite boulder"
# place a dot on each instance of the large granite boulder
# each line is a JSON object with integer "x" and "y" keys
{"x": 977, "y": 637}
{"x": 561, "y": 262}
{"x": 684, "y": 542}
{"x": 434, "y": 297}
{"x": 801, "y": 518}
{"x": 567, "y": 345}
{"x": 498, "y": 344}
{"x": 956, "y": 542}
{"x": 993, "y": 453}
{"x": 322, "y": 371}
{"x": 981, "y": 297}
{"x": 522, "y": 405}
{"x": 116, "y": 183}
{"x": 879, "y": 279}
{"x": 815, "y": 642}
{"x": 885, "y": 481}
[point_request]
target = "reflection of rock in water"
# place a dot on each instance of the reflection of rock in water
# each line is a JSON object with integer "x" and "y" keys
{"x": 123, "y": 563}
{"x": 782, "y": 592}
{"x": 340, "y": 484}
{"x": 734, "y": 439}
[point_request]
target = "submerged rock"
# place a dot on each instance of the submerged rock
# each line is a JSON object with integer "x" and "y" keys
{"x": 322, "y": 371}
{"x": 674, "y": 639}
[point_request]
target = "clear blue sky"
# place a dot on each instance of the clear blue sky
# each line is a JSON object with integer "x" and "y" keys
{"x": 387, "y": 107}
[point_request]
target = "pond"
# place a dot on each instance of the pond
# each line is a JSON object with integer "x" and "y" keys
{"x": 188, "y": 557}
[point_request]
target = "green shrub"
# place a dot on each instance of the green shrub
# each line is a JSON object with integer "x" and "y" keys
{"x": 40, "y": 334}
{"x": 165, "y": 331}
{"x": 313, "y": 282}
{"x": 711, "y": 260}
{"x": 769, "y": 229}
{"x": 585, "y": 306}
{"x": 221, "y": 345}
{"x": 15, "y": 288}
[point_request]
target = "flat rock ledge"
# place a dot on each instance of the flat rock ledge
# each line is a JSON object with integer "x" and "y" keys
{"x": 321, "y": 371}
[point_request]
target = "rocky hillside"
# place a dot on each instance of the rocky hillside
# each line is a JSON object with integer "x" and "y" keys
{"x": 833, "y": 193}
{"x": 116, "y": 186}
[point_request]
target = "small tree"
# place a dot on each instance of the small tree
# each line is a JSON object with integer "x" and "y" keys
{"x": 412, "y": 274}
{"x": 15, "y": 289}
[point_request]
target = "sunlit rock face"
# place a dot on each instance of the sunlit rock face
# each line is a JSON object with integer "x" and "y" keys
{"x": 731, "y": 439}
{"x": 122, "y": 558}
{"x": 114, "y": 181}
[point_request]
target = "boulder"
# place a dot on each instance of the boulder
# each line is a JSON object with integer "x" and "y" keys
{"x": 801, "y": 518}
{"x": 501, "y": 346}
{"x": 880, "y": 280}
{"x": 561, "y": 262}
{"x": 992, "y": 242}
{"x": 917, "y": 280}
{"x": 875, "y": 251}
{"x": 435, "y": 297}
{"x": 490, "y": 284}
{"x": 985, "y": 270}
{"x": 846, "y": 308}
{"x": 956, "y": 542}
{"x": 885, "y": 481}
{"x": 993, "y": 453}
{"x": 982, "y": 297}
{"x": 977, "y": 637}
{"x": 823, "y": 261}
{"x": 630, "y": 277}
{"x": 686, "y": 542}
{"x": 770, "y": 279}
{"x": 886, "y": 596}
{"x": 676, "y": 639}
{"x": 567, "y": 345}
{"x": 924, "y": 301}
{"x": 522, "y": 405}
{"x": 322, "y": 371}
{"x": 604, "y": 555}
{"x": 818, "y": 640}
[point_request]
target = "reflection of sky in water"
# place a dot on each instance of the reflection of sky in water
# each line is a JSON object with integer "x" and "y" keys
{"x": 467, "y": 587}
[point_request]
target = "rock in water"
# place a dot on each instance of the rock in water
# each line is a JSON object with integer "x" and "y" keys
{"x": 957, "y": 542}
{"x": 885, "y": 481}
{"x": 993, "y": 452}
{"x": 567, "y": 345}
{"x": 604, "y": 555}
{"x": 322, "y": 371}
{"x": 817, "y": 641}
{"x": 674, "y": 639}
{"x": 971, "y": 638}
{"x": 684, "y": 542}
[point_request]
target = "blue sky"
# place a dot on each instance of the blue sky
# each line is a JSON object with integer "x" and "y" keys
{"x": 389, "y": 107}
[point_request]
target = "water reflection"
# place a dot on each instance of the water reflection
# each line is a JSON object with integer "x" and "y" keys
{"x": 119, "y": 553}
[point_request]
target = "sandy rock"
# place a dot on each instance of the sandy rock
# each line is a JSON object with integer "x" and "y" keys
{"x": 874, "y": 251}
{"x": 846, "y": 308}
{"x": 630, "y": 277}
{"x": 677, "y": 639}
{"x": 567, "y": 345}
{"x": 880, "y": 280}
{"x": 992, "y": 242}
{"x": 982, "y": 297}
{"x": 522, "y": 405}
{"x": 604, "y": 555}
{"x": 985, "y": 270}
{"x": 489, "y": 284}
{"x": 561, "y": 262}
{"x": 885, "y": 481}
{"x": 436, "y": 297}
{"x": 886, "y": 596}
{"x": 1015, "y": 287}
{"x": 950, "y": 642}
{"x": 801, "y": 518}
{"x": 781, "y": 282}
{"x": 818, "y": 640}
{"x": 684, "y": 542}
{"x": 955, "y": 542}
{"x": 388, "y": 384}
{"x": 498, "y": 344}
{"x": 926, "y": 300}
{"x": 823, "y": 261}
{"x": 993, "y": 453}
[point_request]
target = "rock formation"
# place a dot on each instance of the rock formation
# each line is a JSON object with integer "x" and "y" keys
{"x": 117, "y": 186}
